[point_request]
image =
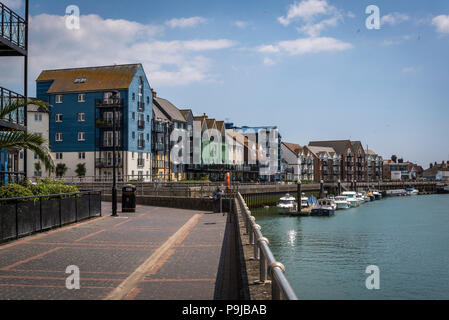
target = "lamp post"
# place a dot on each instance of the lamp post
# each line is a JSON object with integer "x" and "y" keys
{"x": 114, "y": 158}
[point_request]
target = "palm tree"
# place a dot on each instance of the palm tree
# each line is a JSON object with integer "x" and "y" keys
{"x": 81, "y": 170}
{"x": 61, "y": 169}
{"x": 12, "y": 138}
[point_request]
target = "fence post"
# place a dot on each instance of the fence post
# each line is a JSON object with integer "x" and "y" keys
{"x": 60, "y": 211}
{"x": 17, "y": 222}
{"x": 40, "y": 213}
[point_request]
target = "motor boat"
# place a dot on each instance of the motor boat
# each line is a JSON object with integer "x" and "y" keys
{"x": 377, "y": 194}
{"x": 397, "y": 193}
{"x": 411, "y": 191}
{"x": 360, "y": 197}
{"x": 371, "y": 196}
{"x": 442, "y": 188}
{"x": 287, "y": 204}
{"x": 351, "y": 198}
{"x": 342, "y": 202}
{"x": 324, "y": 208}
{"x": 304, "y": 201}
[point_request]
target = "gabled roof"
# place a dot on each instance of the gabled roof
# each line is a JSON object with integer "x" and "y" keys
{"x": 97, "y": 78}
{"x": 186, "y": 113}
{"x": 173, "y": 113}
{"x": 210, "y": 123}
{"x": 318, "y": 150}
{"x": 220, "y": 125}
{"x": 339, "y": 146}
{"x": 293, "y": 147}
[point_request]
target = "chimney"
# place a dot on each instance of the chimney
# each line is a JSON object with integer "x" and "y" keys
{"x": 431, "y": 165}
{"x": 154, "y": 93}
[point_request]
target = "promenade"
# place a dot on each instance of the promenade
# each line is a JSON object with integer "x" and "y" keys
{"x": 152, "y": 254}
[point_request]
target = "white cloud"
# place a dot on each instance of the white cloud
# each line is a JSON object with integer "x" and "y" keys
{"x": 307, "y": 45}
{"x": 409, "y": 70}
{"x": 268, "y": 62}
{"x": 185, "y": 22}
{"x": 441, "y": 23}
{"x": 107, "y": 41}
{"x": 13, "y": 4}
{"x": 394, "y": 18}
{"x": 305, "y": 10}
{"x": 241, "y": 24}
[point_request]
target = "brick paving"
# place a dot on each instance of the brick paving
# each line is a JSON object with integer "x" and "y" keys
{"x": 109, "y": 250}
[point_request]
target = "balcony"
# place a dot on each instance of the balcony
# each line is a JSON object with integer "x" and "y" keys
{"x": 109, "y": 103}
{"x": 158, "y": 127}
{"x": 141, "y": 144}
{"x": 141, "y": 124}
{"x": 108, "y": 163}
{"x": 12, "y": 33}
{"x": 15, "y": 120}
{"x": 107, "y": 143}
{"x": 108, "y": 123}
{"x": 158, "y": 147}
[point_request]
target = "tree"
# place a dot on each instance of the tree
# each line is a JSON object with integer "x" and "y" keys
{"x": 401, "y": 160}
{"x": 12, "y": 138}
{"x": 81, "y": 169}
{"x": 394, "y": 158}
{"x": 38, "y": 168}
{"x": 61, "y": 169}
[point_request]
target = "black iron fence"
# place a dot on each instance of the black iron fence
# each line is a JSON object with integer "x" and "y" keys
{"x": 23, "y": 216}
{"x": 12, "y": 27}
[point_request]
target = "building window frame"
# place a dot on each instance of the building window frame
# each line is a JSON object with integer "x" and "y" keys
{"x": 59, "y": 137}
{"x": 59, "y": 117}
{"x": 81, "y": 136}
{"x": 58, "y": 98}
{"x": 81, "y": 97}
{"x": 81, "y": 117}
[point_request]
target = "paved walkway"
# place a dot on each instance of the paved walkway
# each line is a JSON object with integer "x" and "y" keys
{"x": 155, "y": 253}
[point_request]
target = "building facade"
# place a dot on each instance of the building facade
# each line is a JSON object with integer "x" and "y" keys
{"x": 88, "y": 106}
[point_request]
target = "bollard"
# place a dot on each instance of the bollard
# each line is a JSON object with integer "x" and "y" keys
{"x": 299, "y": 195}
{"x": 321, "y": 189}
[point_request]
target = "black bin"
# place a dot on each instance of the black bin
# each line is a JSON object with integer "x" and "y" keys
{"x": 129, "y": 198}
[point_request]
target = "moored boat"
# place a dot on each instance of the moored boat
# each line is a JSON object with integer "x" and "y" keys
{"x": 351, "y": 198}
{"x": 342, "y": 203}
{"x": 324, "y": 208}
{"x": 287, "y": 204}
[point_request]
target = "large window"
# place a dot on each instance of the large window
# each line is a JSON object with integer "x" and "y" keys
{"x": 58, "y": 117}
{"x": 58, "y": 137}
{"x": 58, "y": 98}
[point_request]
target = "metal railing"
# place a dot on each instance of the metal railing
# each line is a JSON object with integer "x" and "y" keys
{"x": 12, "y": 27}
{"x": 27, "y": 215}
{"x": 280, "y": 287}
{"x": 8, "y": 97}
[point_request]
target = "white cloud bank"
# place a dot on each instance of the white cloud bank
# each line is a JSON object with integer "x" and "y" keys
{"x": 102, "y": 41}
{"x": 185, "y": 22}
{"x": 394, "y": 18}
{"x": 441, "y": 23}
{"x": 306, "y": 45}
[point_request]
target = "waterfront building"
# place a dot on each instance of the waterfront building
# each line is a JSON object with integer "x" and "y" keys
{"x": 269, "y": 140}
{"x": 167, "y": 117}
{"x": 38, "y": 119}
{"x": 13, "y": 43}
{"x": 291, "y": 158}
{"x": 437, "y": 172}
{"x": 85, "y": 102}
{"x": 401, "y": 171}
{"x": 326, "y": 164}
{"x": 374, "y": 165}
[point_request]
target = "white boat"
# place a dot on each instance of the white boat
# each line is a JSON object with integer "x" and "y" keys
{"x": 325, "y": 207}
{"x": 359, "y": 196}
{"x": 287, "y": 205}
{"x": 397, "y": 193}
{"x": 411, "y": 191}
{"x": 377, "y": 194}
{"x": 351, "y": 198}
{"x": 342, "y": 202}
{"x": 304, "y": 201}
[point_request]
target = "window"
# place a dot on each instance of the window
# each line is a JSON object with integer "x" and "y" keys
{"x": 36, "y": 157}
{"x": 81, "y": 136}
{"x": 59, "y": 156}
{"x": 81, "y": 155}
{"x": 148, "y": 137}
{"x": 38, "y": 117}
{"x": 81, "y": 117}
{"x": 58, "y": 137}
{"x": 83, "y": 79}
{"x": 58, "y": 98}
{"x": 134, "y": 96}
{"x": 58, "y": 117}
{"x": 133, "y": 116}
{"x": 134, "y": 135}
{"x": 148, "y": 118}
{"x": 82, "y": 97}
{"x": 132, "y": 155}
{"x": 148, "y": 100}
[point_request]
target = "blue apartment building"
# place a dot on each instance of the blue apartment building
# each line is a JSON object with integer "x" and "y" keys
{"x": 83, "y": 102}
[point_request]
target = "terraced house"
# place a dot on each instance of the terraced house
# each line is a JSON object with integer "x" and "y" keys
{"x": 87, "y": 105}
{"x": 13, "y": 43}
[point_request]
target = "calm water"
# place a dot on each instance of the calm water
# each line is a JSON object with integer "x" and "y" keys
{"x": 326, "y": 258}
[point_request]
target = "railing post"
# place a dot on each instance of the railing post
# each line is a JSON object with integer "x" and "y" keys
{"x": 256, "y": 242}
{"x": 60, "y": 211}
{"x": 17, "y": 222}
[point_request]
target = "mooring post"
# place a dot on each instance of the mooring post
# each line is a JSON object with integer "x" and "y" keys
{"x": 339, "y": 187}
{"x": 355, "y": 185}
{"x": 299, "y": 195}
{"x": 321, "y": 189}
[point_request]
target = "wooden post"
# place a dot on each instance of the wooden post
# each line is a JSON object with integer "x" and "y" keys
{"x": 299, "y": 194}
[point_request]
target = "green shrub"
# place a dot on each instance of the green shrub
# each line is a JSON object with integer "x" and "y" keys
{"x": 15, "y": 191}
{"x": 42, "y": 189}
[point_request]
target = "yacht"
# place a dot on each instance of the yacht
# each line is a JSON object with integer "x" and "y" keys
{"x": 304, "y": 201}
{"x": 325, "y": 207}
{"x": 377, "y": 195}
{"x": 351, "y": 198}
{"x": 359, "y": 196}
{"x": 342, "y": 202}
{"x": 287, "y": 204}
{"x": 411, "y": 191}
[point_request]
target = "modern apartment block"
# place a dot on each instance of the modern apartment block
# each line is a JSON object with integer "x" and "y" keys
{"x": 13, "y": 43}
{"x": 85, "y": 102}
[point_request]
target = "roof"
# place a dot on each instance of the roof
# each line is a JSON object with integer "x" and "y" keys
{"x": 36, "y": 108}
{"x": 173, "y": 113}
{"x": 97, "y": 78}
{"x": 186, "y": 113}
{"x": 220, "y": 125}
{"x": 370, "y": 152}
{"x": 338, "y": 145}
{"x": 293, "y": 147}
{"x": 317, "y": 150}
{"x": 158, "y": 114}
{"x": 210, "y": 123}
{"x": 235, "y": 135}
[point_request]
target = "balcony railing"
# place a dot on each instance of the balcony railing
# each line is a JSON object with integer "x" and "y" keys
{"x": 8, "y": 97}
{"x": 141, "y": 144}
{"x": 108, "y": 143}
{"x": 12, "y": 27}
{"x": 108, "y": 163}
{"x": 158, "y": 127}
{"x": 108, "y": 123}
{"x": 159, "y": 146}
{"x": 109, "y": 103}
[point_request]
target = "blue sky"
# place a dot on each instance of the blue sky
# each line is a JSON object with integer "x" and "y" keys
{"x": 311, "y": 67}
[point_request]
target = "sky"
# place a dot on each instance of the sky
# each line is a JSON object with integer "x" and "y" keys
{"x": 311, "y": 67}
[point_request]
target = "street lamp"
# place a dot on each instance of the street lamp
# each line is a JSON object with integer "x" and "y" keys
{"x": 114, "y": 157}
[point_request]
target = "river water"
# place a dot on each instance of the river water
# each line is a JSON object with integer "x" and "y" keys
{"x": 326, "y": 257}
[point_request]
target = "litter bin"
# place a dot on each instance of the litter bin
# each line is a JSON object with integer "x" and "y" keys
{"x": 129, "y": 198}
